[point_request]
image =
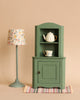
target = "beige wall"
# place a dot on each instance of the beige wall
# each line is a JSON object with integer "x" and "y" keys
{"x": 28, "y": 13}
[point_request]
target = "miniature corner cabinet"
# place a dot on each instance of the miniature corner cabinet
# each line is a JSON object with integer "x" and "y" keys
{"x": 49, "y": 71}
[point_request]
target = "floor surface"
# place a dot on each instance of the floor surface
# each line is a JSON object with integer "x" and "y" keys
{"x": 9, "y": 93}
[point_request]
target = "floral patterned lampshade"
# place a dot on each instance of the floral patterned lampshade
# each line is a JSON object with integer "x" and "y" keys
{"x": 16, "y": 37}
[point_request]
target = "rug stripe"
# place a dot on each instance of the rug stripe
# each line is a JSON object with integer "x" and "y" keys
{"x": 28, "y": 89}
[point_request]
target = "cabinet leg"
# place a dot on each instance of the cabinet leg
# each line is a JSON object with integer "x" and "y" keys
{"x": 35, "y": 87}
{"x": 61, "y": 90}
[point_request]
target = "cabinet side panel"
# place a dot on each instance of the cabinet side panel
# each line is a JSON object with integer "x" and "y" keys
{"x": 61, "y": 41}
{"x": 35, "y": 41}
{"x": 34, "y": 85}
{"x": 63, "y": 74}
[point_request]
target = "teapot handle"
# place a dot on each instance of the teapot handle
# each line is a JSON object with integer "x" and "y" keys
{"x": 55, "y": 37}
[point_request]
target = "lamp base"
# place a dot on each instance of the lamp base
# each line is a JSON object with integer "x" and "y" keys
{"x": 16, "y": 84}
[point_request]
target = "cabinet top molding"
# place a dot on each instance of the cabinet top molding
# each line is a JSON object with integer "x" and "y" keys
{"x": 49, "y": 24}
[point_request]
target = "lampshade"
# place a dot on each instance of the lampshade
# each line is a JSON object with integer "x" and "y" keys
{"x": 16, "y": 37}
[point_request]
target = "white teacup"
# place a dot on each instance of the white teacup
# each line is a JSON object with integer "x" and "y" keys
{"x": 48, "y": 53}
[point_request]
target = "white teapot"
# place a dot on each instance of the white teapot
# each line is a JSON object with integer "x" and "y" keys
{"x": 50, "y": 37}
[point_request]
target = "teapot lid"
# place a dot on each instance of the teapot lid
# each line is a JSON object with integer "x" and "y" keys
{"x": 51, "y": 32}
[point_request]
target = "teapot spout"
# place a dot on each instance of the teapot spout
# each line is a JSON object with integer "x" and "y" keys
{"x": 44, "y": 37}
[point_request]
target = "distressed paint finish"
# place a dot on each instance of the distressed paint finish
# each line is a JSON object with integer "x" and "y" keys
{"x": 49, "y": 71}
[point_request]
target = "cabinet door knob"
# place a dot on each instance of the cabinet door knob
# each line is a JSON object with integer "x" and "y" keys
{"x": 38, "y": 72}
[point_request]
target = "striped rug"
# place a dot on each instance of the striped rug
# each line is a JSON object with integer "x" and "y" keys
{"x": 29, "y": 89}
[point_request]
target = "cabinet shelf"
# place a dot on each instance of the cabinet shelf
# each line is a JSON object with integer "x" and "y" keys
{"x": 48, "y": 42}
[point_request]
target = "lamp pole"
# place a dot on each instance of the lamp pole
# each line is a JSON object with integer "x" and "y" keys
{"x": 16, "y": 83}
{"x": 16, "y": 62}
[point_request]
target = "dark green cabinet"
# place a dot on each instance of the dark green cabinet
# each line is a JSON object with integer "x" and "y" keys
{"x": 48, "y": 72}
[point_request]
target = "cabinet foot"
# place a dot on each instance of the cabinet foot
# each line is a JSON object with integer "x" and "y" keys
{"x": 61, "y": 90}
{"x": 35, "y": 87}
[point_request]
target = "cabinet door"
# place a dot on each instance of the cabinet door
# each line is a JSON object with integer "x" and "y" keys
{"x": 48, "y": 72}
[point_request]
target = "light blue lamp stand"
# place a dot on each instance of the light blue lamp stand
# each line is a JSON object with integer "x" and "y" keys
{"x": 17, "y": 83}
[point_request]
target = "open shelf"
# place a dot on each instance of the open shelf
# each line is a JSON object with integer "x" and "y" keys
{"x": 42, "y": 43}
{"x": 48, "y": 42}
{"x": 52, "y": 47}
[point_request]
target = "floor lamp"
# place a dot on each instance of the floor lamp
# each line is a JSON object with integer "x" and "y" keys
{"x": 16, "y": 37}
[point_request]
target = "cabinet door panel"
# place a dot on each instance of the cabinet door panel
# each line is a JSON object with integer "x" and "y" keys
{"x": 49, "y": 72}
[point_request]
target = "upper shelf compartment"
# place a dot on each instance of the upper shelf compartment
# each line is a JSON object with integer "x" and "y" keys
{"x": 45, "y": 31}
{"x": 41, "y": 44}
